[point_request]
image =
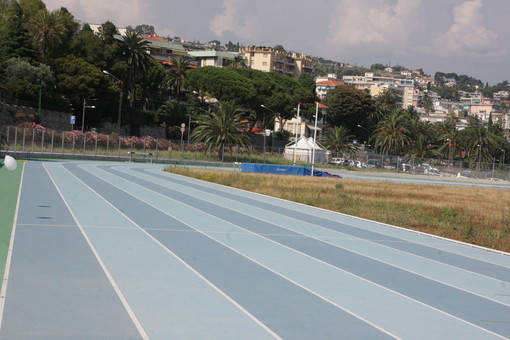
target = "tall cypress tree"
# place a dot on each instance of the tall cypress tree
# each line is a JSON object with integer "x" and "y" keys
{"x": 15, "y": 40}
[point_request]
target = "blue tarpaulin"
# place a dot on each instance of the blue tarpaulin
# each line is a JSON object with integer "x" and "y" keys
{"x": 283, "y": 170}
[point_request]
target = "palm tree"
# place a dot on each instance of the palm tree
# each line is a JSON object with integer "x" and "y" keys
{"x": 479, "y": 143}
{"x": 391, "y": 135}
{"x": 46, "y": 31}
{"x": 337, "y": 139}
{"x": 422, "y": 148}
{"x": 219, "y": 127}
{"x": 134, "y": 52}
{"x": 175, "y": 76}
{"x": 452, "y": 143}
{"x": 238, "y": 62}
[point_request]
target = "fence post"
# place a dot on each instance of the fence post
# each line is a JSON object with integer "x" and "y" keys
{"x": 84, "y": 142}
{"x": 52, "y": 140}
{"x": 42, "y": 141}
{"x": 23, "y": 145}
{"x": 95, "y": 147}
{"x": 118, "y": 139}
{"x": 15, "y": 139}
{"x": 107, "y": 145}
{"x": 63, "y": 140}
{"x": 74, "y": 141}
{"x": 8, "y": 138}
{"x": 33, "y": 139}
{"x": 157, "y": 148}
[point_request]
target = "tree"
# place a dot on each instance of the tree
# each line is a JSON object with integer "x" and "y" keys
{"x": 421, "y": 147}
{"x": 175, "y": 76}
{"x": 379, "y": 67}
{"x": 46, "y": 32}
{"x": 451, "y": 145}
{"x": 14, "y": 37}
{"x": 348, "y": 107}
{"x": 145, "y": 29}
{"x": 479, "y": 143}
{"x": 337, "y": 139}
{"x": 391, "y": 135}
{"x": 385, "y": 103}
{"x": 78, "y": 80}
{"x": 89, "y": 46}
{"x": 133, "y": 49}
{"x": 238, "y": 61}
{"x": 107, "y": 30}
{"x": 221, "y": 126}
{"x": 24, "y": 80}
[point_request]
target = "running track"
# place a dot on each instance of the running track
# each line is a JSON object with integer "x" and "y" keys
{"x": 125, "y": 251}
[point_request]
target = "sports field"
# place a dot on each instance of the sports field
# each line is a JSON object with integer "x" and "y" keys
{"x": 126, "y": 251}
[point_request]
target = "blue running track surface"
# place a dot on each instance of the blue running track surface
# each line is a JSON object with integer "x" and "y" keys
{"x": 127, "y": 251}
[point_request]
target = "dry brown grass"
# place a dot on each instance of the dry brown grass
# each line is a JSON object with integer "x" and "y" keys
{"x": 470, "y": 214}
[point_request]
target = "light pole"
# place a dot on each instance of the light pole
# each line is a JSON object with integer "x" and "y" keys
{"x": 369, "y": 133}
{"x": 264, "y": 126}
{"x": 120, "y": 100}
{"x": 83, "y": 115}
{"x": 296, "y": 133}
{"x": 479, "y": 155}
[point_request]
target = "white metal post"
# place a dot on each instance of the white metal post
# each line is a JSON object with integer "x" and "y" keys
{"x": 315, "y": 136}
{"x": 296, "y": 131}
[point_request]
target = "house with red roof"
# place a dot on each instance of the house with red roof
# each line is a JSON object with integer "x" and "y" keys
{"x": 323, "y": 85}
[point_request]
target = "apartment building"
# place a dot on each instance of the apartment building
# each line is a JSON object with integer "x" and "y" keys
{"x": 213, "y": 58}
{"x": 163, "y": 50}
{"x": 403, "y": 87}
{"x": 268, "y": 59}
{"x": 324, "y": 84}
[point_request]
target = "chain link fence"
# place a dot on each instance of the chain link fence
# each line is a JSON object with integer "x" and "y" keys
{"x": 34, "y": 142}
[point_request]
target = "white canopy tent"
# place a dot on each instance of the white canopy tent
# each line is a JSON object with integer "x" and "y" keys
{"x": 303, "y": 149}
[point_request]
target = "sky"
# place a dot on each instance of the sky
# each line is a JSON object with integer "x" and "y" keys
{"x": 461, "y": 36}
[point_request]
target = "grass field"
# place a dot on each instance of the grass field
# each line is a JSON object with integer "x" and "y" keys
{"x": 474, "y": 215}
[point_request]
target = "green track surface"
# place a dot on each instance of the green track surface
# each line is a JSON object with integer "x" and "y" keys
{"x": 9, "y": 189}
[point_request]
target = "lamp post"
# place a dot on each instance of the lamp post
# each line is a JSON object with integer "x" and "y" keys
{"x": 120, "y": 100}
{"x": 264, "y": 126}
{"x": 369, "y": 133}
{"x": 83, "y": 114}
{"x": 479, "y": 155}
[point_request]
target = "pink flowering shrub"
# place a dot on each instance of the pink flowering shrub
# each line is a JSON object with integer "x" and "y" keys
{"x": 31, "y": 125}
{"x": 146, "y": 142}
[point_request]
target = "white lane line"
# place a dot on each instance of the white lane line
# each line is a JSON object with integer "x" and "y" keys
{"x": 217, "y": 289}
{"x": 342, "y": 236}
{"x": 130, "y": 312}
{"x": 376, "y": 241}
{"x": 291, "y": 205}
{"x": 247, "y": 257}
{"x": 3, "y": 291}
{"x": 297, "y": 251}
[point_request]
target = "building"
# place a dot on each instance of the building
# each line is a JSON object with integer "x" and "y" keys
{"x": 403, "y": 87}
{"x": 163, "y": 50}
{"x": 213, "y": 58}
{"x": 325, "y": 84}
{"x": 268, "y": 59}
{"x": 300, "y": 126}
